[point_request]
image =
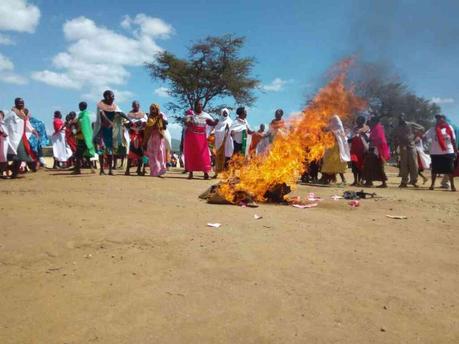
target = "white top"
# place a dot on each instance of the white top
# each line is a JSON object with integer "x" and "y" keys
{"x": 15, "y": 126}
{"x": 435, "y": 149}
{"x": 237, "y": 127}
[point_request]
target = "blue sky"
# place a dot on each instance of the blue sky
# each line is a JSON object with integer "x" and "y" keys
{"x": 57, "y": 53}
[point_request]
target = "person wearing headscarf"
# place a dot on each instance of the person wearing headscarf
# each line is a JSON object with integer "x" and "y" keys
{"x": 195, "y": 145}
{"x": 154, "y": 141}
{"x": 18, "y": 126}
{"x": 136, "y": 132}
{"x": 238, "y": 133}
{"x": 222, "y": 149}
{"x": 404, "y": 139}
{"x": 443, "y": 150}
{"x": 336, "y": 158}
{"x": 377, "y": 156}
{"x": 359, "y": 146}
{"x": 109, "y": 129}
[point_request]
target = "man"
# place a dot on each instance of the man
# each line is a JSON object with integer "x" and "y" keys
{"x": 84, "y": 143}
{"x": 404, "y": 139}
{"x": 18, "y": 126}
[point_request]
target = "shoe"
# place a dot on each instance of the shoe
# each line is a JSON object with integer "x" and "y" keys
{"x": 403, "y": 185}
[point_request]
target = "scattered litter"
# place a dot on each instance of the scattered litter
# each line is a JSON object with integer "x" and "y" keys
{"x": 312, "y": 197}
{"x": 354, "y": 204}
{"x": 214, "y": 225}
{"x": 397, "y": 217}
{"x": 336, "y": 197}
{"x": 303, "y": 206}
{"x": 257, "y": 217}
{"x": 358, "y": 195}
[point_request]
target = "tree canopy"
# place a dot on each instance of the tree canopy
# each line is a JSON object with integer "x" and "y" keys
{"x": 212, "y": 72}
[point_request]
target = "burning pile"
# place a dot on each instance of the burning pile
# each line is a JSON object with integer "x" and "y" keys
{"x": 270, "y": 177}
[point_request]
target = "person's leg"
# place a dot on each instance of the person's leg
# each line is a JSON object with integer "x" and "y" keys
{"x": 445, "y": 182}
{"x": 343, "y": 178}
{"x": 15, "y": 169}
{"x": 451, "y": 181}
{"x": 190, "y": 175}
{"x": 110, "y": 164}
{"x": 434, "y": 177}
{"x": 101, "y": 163}
{"x": 404, "y": 168}
{"x": 424, "y": 178}
{"x": 413, "y": 166}
{"x": 128, "y": 168}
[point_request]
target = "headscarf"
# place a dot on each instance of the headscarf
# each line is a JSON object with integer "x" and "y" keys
{"x": 378, "y": 139}
{"x": 154, "y": 122}
{"x": 443, "y": 124}
{"x": 336, "y": 126}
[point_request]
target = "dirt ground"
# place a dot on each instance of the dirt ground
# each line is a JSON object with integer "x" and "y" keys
{"x": 120, "y": 259}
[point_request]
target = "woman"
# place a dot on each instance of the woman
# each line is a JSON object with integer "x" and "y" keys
{"x": 359, "y": 146}
{"x": 442, "y": 150}
{"x": 154, "y": 141}
{"x": 377, "y": 155}
{"x": 276, "y": 126}
{"x": 19, "y": 128}
{"x": 61, "y": 151}
{"x": 195, "y": 146}
{"x": 108, "y": 129}
{"x": 336, "y": 158}
{"x": 238, "y": 133}
{"x": 221, "y": 146}
{"x": 136, "y": 132}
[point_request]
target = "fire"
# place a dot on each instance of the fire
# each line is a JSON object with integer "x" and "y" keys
{"x": 304, "y": 141}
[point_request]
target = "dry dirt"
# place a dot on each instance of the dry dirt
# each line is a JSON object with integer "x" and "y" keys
{"x": 131, "y": 260}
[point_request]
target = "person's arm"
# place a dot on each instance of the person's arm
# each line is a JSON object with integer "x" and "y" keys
{"x": 104, "y": 116}
{"x": 212, "y": 122}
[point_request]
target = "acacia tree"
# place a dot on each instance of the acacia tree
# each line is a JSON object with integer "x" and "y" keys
{"x": 213, "y": 72}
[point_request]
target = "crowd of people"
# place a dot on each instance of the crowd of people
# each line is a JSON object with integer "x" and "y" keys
{"x": 209, "y": 143}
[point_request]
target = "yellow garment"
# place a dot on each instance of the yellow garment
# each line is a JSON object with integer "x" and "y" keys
{"x": 332, "y": 163}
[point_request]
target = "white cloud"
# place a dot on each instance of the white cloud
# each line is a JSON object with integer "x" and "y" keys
{"x": 5, "y": 40}
{"x": 149, "y": 26}
{"x": 97, "y": 58}
{"x": 275, "y": 86}
{"x": 7, "y": 72}
{"x": 161, "y": 92}
{"x": 5, "y": 63}
{"x": 12, "y": 78}
{"x": 55, "y": 79}
{"x": 18, "y": 15}
{"x": 439, "y": 100}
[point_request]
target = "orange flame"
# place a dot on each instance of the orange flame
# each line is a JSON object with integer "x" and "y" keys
{"x": 304, "y": 141}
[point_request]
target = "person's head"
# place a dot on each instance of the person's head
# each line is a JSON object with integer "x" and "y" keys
{"x": 440, "y": 118}
{"x": 373, "y": 121}
{"x": 109, "y": 97}
{"x": 197, "y": 106}
{"x": 57, "y": 114}
{"x": 83, "y": 106}
{"x": 2, "y": 114}
{"x": 360, "y": 121}
{"x": 135, "y": 106}
{"x": 241, "y": 112}
{"x": 224, "y": 112}
{"x": 72, "y": 115}
{"x": 19, "y": 103}
{"x": 278, "y": 114}
{"x": 262, "y": 128}
{"x": 154, "y": 109}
